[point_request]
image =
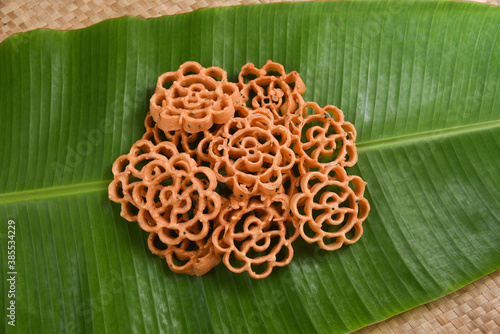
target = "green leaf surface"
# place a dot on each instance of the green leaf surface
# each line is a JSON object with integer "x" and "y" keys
{"x": 419, "y": 80}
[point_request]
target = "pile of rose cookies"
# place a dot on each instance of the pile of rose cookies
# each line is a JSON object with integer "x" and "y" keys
{"x": 237, "y": 171}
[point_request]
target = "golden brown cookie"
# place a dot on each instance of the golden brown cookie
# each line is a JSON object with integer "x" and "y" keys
{"x": 256, "y": 235}
{"x": 251, "y": 155}
{"x": 271, "y": 88}
{"x": 237, "y": 171}
{"x": 193, "y": 98}
{"x": 322, "y": 138}
{"x": 187, "y": 257}
{"x": 331, "y": 207}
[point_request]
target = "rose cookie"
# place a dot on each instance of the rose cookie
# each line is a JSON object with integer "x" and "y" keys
{"x": 322, "y": 138}
{"x": 251, "y": 155}
{"x": 270, "y": 87}
{"x": 235, "y": 172}
{"x": 193, "y": 98}
{"x": 328, "y": 209}
{"x": 256, "y": 235}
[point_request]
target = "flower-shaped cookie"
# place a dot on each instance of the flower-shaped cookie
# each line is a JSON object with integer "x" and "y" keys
{"x": 144, "y": 161}
{"x": 181, "y": 201}
{"x": 322, "y": 138}
{"x": 330, "y": 212}
{"x": 237, "y": 171}
{"x": 171, "y": 197}
{"x": 270, "y": 87}
{"x": 193, "y": 98}
{"x": 256, "y": 235}
{"x": 252, "y": 155}
{"x": 187, "y": 257}
{"x": 194, "y": 144}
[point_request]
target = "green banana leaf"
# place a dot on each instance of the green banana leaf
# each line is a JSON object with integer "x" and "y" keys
{"x": 419, "y": 80}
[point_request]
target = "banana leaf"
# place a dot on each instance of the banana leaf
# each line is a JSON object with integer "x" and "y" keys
{"x": 419, "y": 80}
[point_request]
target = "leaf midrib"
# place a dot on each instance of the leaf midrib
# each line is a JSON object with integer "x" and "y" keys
{"x": 74, "y": 189}
{"x": 423, "y": 136}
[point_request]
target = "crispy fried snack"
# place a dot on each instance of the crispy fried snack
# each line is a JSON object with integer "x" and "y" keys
{"x": 236, "y": 172}
{"x": 323, "y": 138}
{"x": 194, "y": 144}
{"x": 330, "y": 212}
{"x": 172, "y": 198}
{"x": 182, "y": 201}
{"x": 256, "y": 235}
{"x": 187, "y": 257}
{"x": 271, "y": 88}
{"x": 193, "y": 98}
{"x": 144, "y": 161}
{"x": 252, "y": 155}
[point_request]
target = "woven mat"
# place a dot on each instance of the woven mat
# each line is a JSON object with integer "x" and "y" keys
{"x": 472, "y": 309}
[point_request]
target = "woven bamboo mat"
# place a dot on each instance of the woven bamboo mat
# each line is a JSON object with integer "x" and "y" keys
{"x": 472, "y": 309}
